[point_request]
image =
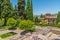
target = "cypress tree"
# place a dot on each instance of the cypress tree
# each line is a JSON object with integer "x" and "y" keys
{"x": 36, "y": 20}
{"x": 6, "y": 10}
{"x": 10, "y": 8}
{"x": 21, "y": 9}
{"x": 41, "y": 16}
{"x": 58, "y": 17}
{"x": 1, "y": 6}
{"x": 29, "y": 10}
{"x": 15, "y": 14}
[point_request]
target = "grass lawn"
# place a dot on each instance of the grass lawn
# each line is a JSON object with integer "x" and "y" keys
{"x": 7, "y": 35}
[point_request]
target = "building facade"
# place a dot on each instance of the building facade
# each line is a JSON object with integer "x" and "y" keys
{"x": 49, "y": 18}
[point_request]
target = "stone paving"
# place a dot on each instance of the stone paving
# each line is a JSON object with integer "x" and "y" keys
{"x": 39, "y": 33}
{"x": 4, "y": 31}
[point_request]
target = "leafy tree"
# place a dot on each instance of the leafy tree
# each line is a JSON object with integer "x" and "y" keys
{"x": 21, "y": 9}
{"x": 29, "y": 10}
{"x": 58, "y": 17}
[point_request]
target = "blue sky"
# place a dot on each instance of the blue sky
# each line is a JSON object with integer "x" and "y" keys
{"x": 43, "y": 6}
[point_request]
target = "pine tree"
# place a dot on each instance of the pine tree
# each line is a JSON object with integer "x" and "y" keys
{"x": 29, "y": 10}
{"x": 21, "y": 9}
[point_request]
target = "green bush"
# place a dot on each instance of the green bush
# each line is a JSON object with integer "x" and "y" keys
{"x": 51, "y": 25}
{"x": 58, "y": 25}
{"x": 1, "y": 21}
{"x": 11, "y": 22}
{"x": 26, "y": 25}
{"x": 17, "y": 22}
{"x": 43, "y": 23}
{"x": 7, "y": 27}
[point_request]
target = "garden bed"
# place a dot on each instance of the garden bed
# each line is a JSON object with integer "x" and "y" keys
{"x": 7, "y": 35}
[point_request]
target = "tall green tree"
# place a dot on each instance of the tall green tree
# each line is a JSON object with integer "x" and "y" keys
{"x": 6, "y": 10}
{"x": 36, "y": 20}
{"x": 15, "y": 14}
{"x": 58, "y": 17}
{"x": 29, "y": 10}
{"x": 21, "y": 9}
{"x": 10, "y": 7}
{"x": 1, "y": 7}
{"x": 41, "y": 16}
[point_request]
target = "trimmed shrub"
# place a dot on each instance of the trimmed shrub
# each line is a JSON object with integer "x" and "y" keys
{"x": 58, "y": 25}
{"x": 43, "y": 23}
{"x": 11, "y": 22}
{"x": 26, "y": 25}
{"x": 7, "y": 27}
{"x": 1, "y": 21}
{"x": 17, "y": 22}
{"x": 51, "y": 25}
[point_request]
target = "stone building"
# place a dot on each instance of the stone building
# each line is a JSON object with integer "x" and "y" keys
{"x": 51, "y": 19}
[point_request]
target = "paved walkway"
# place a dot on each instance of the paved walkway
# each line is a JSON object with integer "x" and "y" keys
{"x": 4, "y": 31}
{"x": 28, "y": 36}
{"x": 15, "y": 36}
